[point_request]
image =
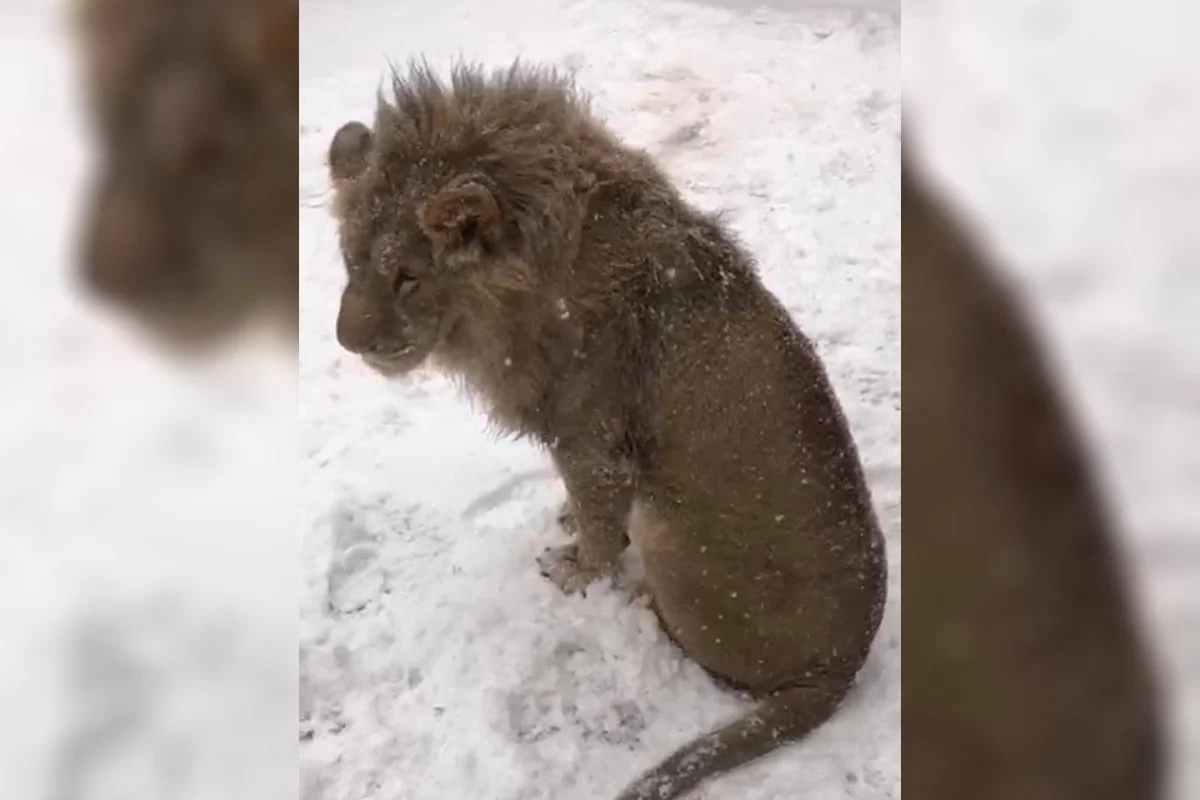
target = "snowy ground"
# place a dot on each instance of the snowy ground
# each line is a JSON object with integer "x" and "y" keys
{"x": 435, "y": 661}
{"x": 1069, "y": 129}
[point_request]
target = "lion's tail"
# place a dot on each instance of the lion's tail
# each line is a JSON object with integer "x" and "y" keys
{"x": 786, "y": 716}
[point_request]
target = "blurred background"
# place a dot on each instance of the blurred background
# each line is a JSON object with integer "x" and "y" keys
{"x": 1065, "y": 131}
{"x": 147, "y": 553}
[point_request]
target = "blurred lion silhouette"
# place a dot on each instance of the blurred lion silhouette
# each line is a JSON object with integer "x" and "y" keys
{"x": 190, "y": 223}
{"x": 1025, "y": 671}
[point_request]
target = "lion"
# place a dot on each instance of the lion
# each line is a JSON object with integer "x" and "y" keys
{"x": 493, "y": 227}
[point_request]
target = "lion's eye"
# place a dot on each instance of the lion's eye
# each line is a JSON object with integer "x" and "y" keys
{"x": 404, "y": 284}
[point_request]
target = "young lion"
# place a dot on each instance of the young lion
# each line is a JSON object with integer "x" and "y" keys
{"x": 191, "y": 225}
{"x": 1024, "y": 673}
{"x": 496, "y": 228}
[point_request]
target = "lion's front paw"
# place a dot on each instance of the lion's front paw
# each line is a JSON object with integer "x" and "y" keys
{"x": 561, "y": 565}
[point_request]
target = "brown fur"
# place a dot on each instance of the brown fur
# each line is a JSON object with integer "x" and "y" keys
{"x": 191, "y": 223}
{"x": 496, "y": 228}
{"x": 1024, "y": 674}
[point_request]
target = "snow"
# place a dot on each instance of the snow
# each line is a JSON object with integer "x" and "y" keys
{"x": 1068, "y": 130}
{"x": 435, "y": 661}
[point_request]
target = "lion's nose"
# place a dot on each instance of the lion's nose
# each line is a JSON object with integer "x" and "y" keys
{"x": 358, "y": 323}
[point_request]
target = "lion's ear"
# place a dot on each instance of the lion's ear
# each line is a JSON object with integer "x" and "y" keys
{"x": 463, "y": 214}
{"x": 348, "y": 151}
